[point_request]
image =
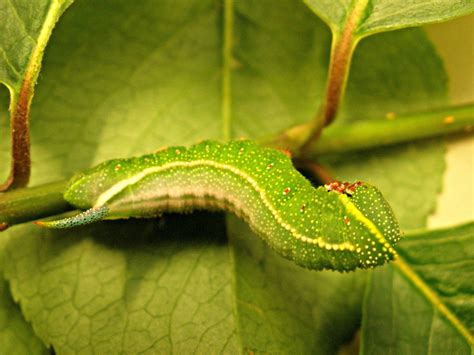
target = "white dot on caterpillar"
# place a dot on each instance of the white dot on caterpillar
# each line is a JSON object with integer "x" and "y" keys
{"x": 241, "y": 150}
{"x": 177, "y": 151}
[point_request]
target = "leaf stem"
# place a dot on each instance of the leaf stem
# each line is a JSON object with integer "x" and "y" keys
{"x": 317, "y": 170}
{"x": 28, "y": 204}
{"x": 342, "y": 48}
{"x": 20, "y": 106}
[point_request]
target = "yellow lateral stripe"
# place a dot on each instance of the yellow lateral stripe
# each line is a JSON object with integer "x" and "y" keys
{"x": 120, "y": 186}
{"x": 433, "y": 298}
{"x": 357, "y": 214}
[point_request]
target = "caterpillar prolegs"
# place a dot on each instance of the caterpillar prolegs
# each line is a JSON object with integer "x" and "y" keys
{"x": 337, "y": 226}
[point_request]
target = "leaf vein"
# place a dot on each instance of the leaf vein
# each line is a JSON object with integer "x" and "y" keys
{"x": 433, "y": 298}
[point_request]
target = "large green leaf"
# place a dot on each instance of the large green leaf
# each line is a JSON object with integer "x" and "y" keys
{"x": 16, "y": 335}
{"x": 167, "y": 289}
{"x": 284, "y": 309}
{"x": 24, "y": 31}
{"x": 123, "y": 78}
{"x": 372, "y": 16}
{"x": 424, "y": 303}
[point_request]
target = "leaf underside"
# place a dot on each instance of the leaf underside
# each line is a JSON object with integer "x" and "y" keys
{"x": 388, "y": 15}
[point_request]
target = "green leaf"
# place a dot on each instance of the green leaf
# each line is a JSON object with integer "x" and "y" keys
{"x": 423, "y": 303}
{"x": 16, "y": 335}
{"x": 24, "y": 34}
{"x": 126, "y": 79}
{"x": 369, "y": 17}
{"x": 282, "y": 308}
{"x": 96, "y": 289}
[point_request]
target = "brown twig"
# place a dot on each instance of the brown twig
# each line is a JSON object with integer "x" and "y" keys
{"x": 342, "y": 49}
{"x": 21, "y": 102}
{"x": 319, "y": 171}
{"x": 20, "y": 140}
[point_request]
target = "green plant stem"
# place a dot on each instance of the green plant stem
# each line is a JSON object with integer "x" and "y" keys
{"x": 29, "y": 204}
{"x": 366, "y": 134}
{"x": 375, "y": 133}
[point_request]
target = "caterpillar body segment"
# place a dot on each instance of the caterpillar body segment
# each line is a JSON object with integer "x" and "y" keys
{"x": 337, "y": 226}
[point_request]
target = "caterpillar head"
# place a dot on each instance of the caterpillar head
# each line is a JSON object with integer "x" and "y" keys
{"x": 374, "y": 227}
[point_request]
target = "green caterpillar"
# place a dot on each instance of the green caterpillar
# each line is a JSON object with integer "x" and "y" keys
{"x": 337, "y": 226}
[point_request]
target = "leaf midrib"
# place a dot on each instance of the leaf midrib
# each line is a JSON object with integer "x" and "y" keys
{"x": 432, "y": 297}
{"x": 228, "y": 21}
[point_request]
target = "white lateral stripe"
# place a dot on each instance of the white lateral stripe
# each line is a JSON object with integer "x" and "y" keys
{"x": 120, "y": 186}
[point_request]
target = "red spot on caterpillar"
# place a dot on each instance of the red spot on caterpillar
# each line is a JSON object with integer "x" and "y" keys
{"x": 302, "y": 208}
{"x": 352, "y": 187}
{"x": 286, "y": 191}
{"x": 269, "y": 166}
{"x": 3, "y": 226}
{"x": 335, "y": 186}
{"x": 347, "y": 221}
{"x": 118, "y": 167}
